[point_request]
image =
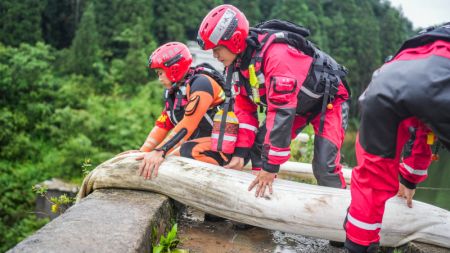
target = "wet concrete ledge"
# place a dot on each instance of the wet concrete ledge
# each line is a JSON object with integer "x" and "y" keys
{"x": 108, "y": 220}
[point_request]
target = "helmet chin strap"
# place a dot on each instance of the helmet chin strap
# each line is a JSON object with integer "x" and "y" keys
{"x": 173, "y": 88}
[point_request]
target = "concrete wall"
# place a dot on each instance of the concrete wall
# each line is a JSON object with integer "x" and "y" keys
{"x": 109, "y": 220}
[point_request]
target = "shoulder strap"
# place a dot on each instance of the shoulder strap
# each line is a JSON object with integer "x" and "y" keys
{"x": 227, "y": 105}
{"x": 171, "y": 110}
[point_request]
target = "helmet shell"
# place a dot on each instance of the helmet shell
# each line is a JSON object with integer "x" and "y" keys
{"x": 174, "y": 58}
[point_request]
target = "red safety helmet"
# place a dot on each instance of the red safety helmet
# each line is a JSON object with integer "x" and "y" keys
{"x": 224, "y": 25}
{"x": 174, "y": 58}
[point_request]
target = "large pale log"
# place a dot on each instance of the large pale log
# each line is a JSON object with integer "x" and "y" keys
{"x": 304, "y": 209}
{"x": 304, "y": 170}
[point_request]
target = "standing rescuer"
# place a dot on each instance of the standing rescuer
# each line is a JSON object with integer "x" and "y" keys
{"x": 274, "y": 65}
{"x": 408, "y": 100}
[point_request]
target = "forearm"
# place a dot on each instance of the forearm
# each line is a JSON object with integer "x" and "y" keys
{"x": 155, "y": 137}
{"x": 414, "y": 168}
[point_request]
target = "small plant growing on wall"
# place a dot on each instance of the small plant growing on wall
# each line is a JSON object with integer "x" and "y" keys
{"x": 59, "y": 204}
{"x": 169, "y": 243}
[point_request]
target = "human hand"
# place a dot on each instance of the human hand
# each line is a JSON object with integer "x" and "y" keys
{"x": 406, "y": 193}
{"x": 150, "y": 163}
{"x": 236, "y": 163}
{"x": 262, "y": 181}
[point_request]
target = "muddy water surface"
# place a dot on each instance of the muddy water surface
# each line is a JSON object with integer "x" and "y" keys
{"x": 224, "y": 237}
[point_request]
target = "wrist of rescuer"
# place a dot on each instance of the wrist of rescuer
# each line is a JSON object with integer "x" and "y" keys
{"x": 241, "y": 152}
{"x": 407, "y": 184}
{"x": 272, "y": 168}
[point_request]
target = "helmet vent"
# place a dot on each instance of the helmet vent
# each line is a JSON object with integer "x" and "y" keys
{"x": 173, "y": 60}
{"x": 230, "y": 29}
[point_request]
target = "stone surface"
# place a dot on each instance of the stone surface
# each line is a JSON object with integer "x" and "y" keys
{"x": 108, "y": 220}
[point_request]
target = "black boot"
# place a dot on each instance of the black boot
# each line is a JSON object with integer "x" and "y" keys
{"x": 357, "y": 248}
{"x": 337, "y": 244}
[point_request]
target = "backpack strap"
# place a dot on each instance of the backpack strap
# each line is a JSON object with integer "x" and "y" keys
{"x": 227, "y": 105}
{"x": 169, "y": 98}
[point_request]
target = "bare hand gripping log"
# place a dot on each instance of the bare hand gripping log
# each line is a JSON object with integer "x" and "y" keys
{"x": 298, "y": 208}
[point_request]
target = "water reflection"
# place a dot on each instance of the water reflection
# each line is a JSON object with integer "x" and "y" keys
{"x": 435, "y": 190}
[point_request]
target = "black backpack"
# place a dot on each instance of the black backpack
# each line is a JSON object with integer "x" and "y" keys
{"x": 325, "y": 75}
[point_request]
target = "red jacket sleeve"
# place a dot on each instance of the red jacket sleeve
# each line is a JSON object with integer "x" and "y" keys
{"x": 417, "y": 155}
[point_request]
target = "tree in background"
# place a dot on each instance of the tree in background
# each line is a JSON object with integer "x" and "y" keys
{"x": 20, "y": 21}
{"x": 299, "y": 12}
{"x": 266, "y": 8}
{"x": 393, "y": 27}
{"x": 113, "y": 17}
{"x": 133, "y": 71}
{"x": 354, "y": 41}
{"x": 85, "y": 51}
{"x": 60, "y": 19}
{"x": 179, "y": 20}
{"x": 250, "y": 8}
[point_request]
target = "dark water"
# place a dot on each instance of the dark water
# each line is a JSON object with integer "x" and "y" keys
{"x": 435, "y": 190}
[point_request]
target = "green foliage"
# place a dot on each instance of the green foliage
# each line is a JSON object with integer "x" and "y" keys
{"x": 179, "y": 20}
{"x": 251, "y": 10}
{"x": 51, "y": 124}
{"x": 169, "y": 243}
{"x": 85, "y": 49}
{"x": 133, "y": 70}
{"x": 59, "y": 21}
{"x": 16, "y": 201}
{"x": 303, "y": 151}
{"x": 86, "y": 167}
{"x": 114, "y": 17}
{"x": 40, "y": 190}
{"x": 20, "y": 21}
{"x": 19, "y": 231}
{"x": 59, "y": 204}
